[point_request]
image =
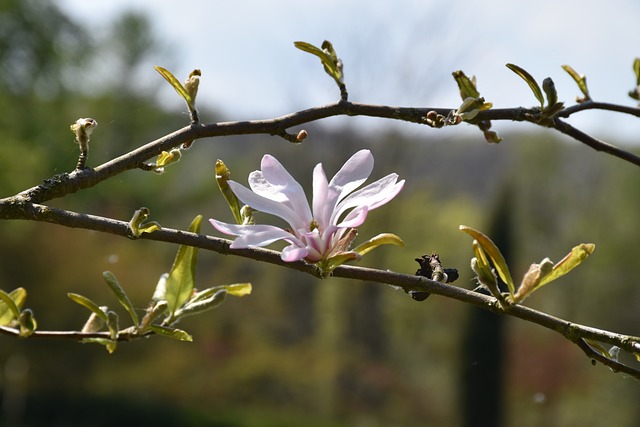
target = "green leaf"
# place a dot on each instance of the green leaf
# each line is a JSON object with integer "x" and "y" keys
{"x": 569, "y": 262}
{"x": 222, "y": 178}
{"x": 10, "y": 305}
{"x": 196, "y": 306}
{"x": 581, "y": 81}
{"x": 167, "y": 158}
{"x": 7, "y": 314}
{"x": 110, "y": 345}
{"x": 121, "y": 295}
{"x": 182, "y": 91}
{"x": 535, "y": 88}
{"x": 180, "y": 283}
{"x": 178, "y": 334}
{"x": 328, "y": 57}
{"x": 238, "y": 289}
{"x": 494, "y": 254}
{"x": 137, "y": 225}
{"x": 28, "y": 323}
{"x": 113, "y": 324}
{"x": 466, "y": 85}
{"x": 550, "y": 90}
{"x": 636, "y": 70}
{"x": 379, "y": 240}
{"x": 86, "y": 302}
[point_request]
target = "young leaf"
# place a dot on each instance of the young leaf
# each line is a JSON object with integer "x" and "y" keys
{"x": 86, "y": 302}
{"x": 569, "y": 262}
{"x": 466, "y": 85}
{"x": 636, "y": 70}
{"x": 222, "y": 178}
{"x": 178, "y": 334}
{"x": 238, "y": 289}
{"x": 494, "y": 254}
{"x": 10, "y": 305}
{"x": 137, "y": 225}
{"x": 332, "y": 65}
{"x": 7, "y": 314}
{"x": 535, "y": 88}
{"x": 121, "y": 295}
{"x": 379, "y": 240}
{"x": 28, "y": 323}
{"x": 550, "y": 90}
{"x": 175, "y": 83}
{"x": 180, "y": 283}
{"x": 203, "y": 304}
{"x": 581, "y": 81}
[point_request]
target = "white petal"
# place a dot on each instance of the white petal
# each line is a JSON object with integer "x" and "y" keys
{"x": 352, "y": 175}
{"x": 293, "y": 253}
{"x": 276, "y": 183}
{"x": 372, "y": 196}
{"x": 355, "y": 218}
{"x": 252, "y": 235}
{"x": 264, "y": 204}
{"x": 321, "y": 213}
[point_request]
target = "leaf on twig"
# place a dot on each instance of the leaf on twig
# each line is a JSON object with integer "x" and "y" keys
{"x": 137, "y": 223}
{"x": 121, "y": 295}
{"x": 573, "y": 259}
{"x": 175, "y": 83}
{"x": 535, "y": 88}
{"x": 180, "y": 282}
{"x": 87, "y": 303}
{"x": 581, "y": 81}
{"x": 178, "y": 334}
{"x": 223, "y": 175}
{"x": 492, "y": 251}
{"x": 11, "y": 310}
{"x": 332, "y": 64}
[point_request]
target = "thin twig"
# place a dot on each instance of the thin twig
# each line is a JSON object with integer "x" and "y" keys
{"x": 573, "y": 332}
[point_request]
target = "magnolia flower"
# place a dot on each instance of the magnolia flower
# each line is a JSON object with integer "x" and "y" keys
{"x": 323, "y": 232}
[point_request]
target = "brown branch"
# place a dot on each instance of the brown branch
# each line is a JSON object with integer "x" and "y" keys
{"x": 573, "y": 332}
{"x": 67, "y": 183}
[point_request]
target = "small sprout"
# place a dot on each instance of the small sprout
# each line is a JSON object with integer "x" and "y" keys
{"x": 635, "y": 92}
{"x": 27, "y": 322}
{"x": 332, "y": 64}
{"x": 165, "y": 159}
{"x": 223, "y": 175}
{"x": 188, "y": 91}
{"x": 138, "y": 226}
{"x": 581, "y": 81}
{"x": 83, "y": 128}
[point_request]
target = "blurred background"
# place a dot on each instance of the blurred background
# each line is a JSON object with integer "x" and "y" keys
{"x": 300, "y": 351}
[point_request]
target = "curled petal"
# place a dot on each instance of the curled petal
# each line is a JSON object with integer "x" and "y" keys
{"x": 293, "y": 253}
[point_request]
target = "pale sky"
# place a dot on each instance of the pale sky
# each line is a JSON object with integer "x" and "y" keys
{"x": 395, "y": 53}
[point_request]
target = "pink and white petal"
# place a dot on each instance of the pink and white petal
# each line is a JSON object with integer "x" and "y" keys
{"x": 283, "y": 183}
{"x": 351, "y": 175}
{"x": 252, "y": 235}
{"x": 259, "y": 185}
{"x": 373, "y": 195}
{"x": 266, "y": 205}
{"x": 293, "y": 253}
{"x": 321, "y": 213}
{"x": 355, "y": 218}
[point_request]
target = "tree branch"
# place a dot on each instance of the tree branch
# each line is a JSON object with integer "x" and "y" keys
{"x": 574, "y": 332}
{"x": 67, "y": 183}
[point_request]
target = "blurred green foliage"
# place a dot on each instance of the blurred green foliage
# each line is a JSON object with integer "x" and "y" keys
{"x": 298, "y": 351}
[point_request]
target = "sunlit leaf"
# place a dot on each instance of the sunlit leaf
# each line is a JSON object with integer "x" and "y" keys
{"x": 121, "y": 295}
{"x": 532, "y": 278}
{"x": 636, "y": 70}
{"x": 10, "y": 304}
{"x": 175, "y": 83}
{"x": 28, "y": 323}
{"x": 327, "y": 56}
{"x": 222, "y": 178}
{"x": 483, "y": 270}
{"x": 535, "y": 88}
{"x": 167, "y": 158}
{"x": 86, "y": 302}
{"x": 379, "y": 240}
{"x": 238, "y": 289}
{"x": 113, "y": 324}
{"x": 180, "y": 283}
{"x": 569, "y": 262}
{"x": 595, "y": 345}
{"x": 581, "y": 81}
{"x": 178, "y": 334}
{"x": 7, "y": 314}
{"x": 154, "y": 311}
{"x": 200, "y": 305}
{"x": 137, "y": 223}
{"x": 466, "y": 85}
{"x": 110, "y": 345}
{"x": 494, "y": 254}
